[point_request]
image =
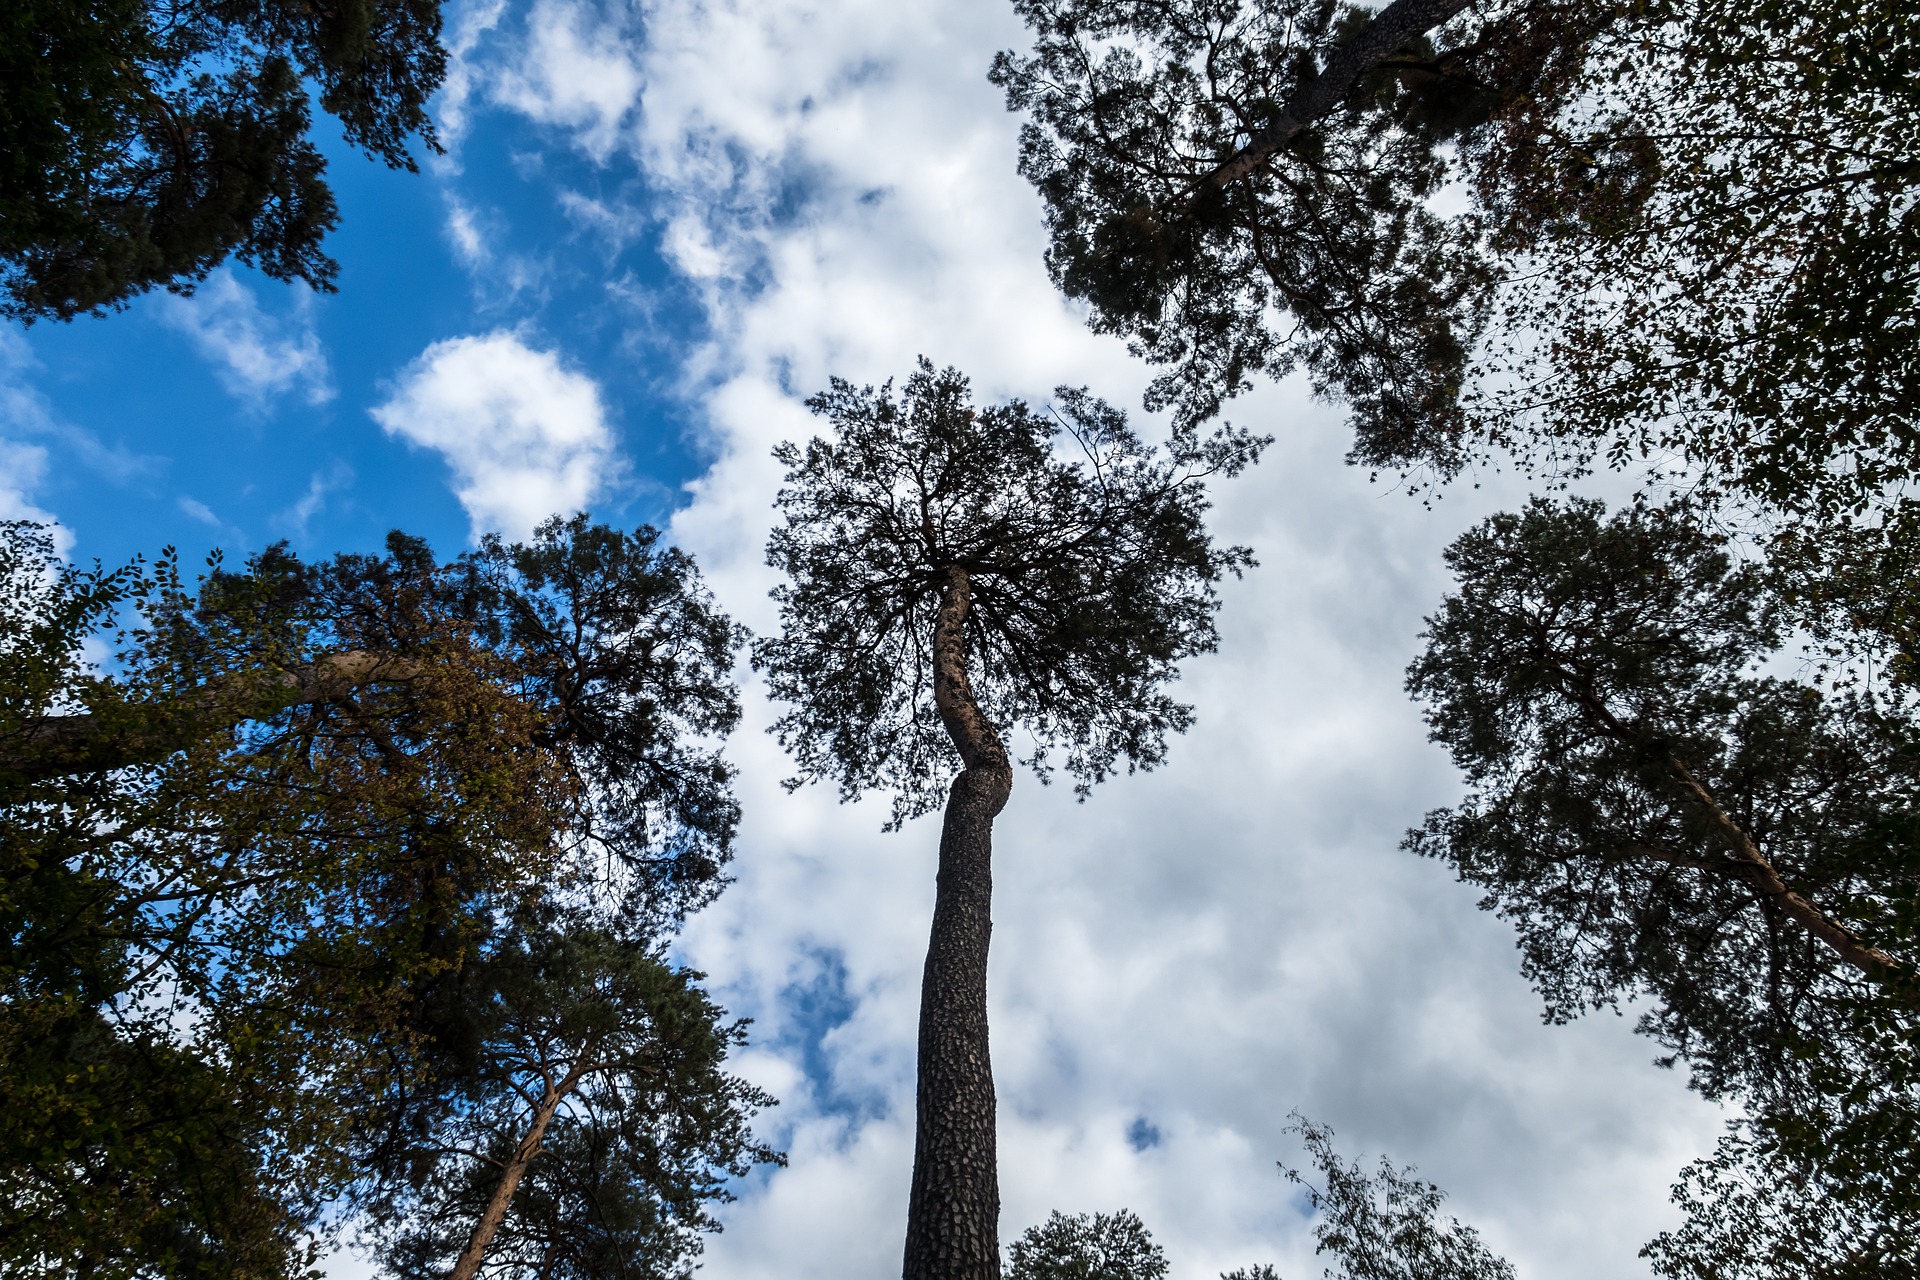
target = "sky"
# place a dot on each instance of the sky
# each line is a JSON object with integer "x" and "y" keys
{"x": 657, "y": 227}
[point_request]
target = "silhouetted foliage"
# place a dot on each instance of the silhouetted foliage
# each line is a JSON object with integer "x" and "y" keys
{"x": 1098, "y": 1246}
{"x": 1823, "y": 1205}
{"x": 1386, "y": 1226}
{"x": 618, "y": 1057}
{"x": 270, "y": 838}
{"x": 1715, "y": 250}
{"x": 1091, "y": 576}
{"x": 1689, "y": 234}
{"x": 1661, "y": 821}
{"x": 142, "y": 142}
{"x": 1235, "y": 195}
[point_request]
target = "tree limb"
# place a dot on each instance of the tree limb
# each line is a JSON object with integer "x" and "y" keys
{"x": 1389, "y": 32}
{"x": 1753, "y": 865}
{"x": 55, "y": 746}
{"x": 973, "y": 735}
{"x": 468, "y": 1264}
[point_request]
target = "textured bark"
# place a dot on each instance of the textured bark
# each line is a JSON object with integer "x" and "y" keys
{"x": 55, "y": 746}
{"x": 953, "y": 1211}
{"x": 495, "y": 1213}
{"x": 1391, "y": 30}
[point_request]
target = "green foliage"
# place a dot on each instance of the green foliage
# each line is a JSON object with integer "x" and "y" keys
{"x": 1386, "y": 1227}
{"x": 1579, "y": 658}
{"x": 1691, "y": 237}
{"x": 1589, "y": 666}
{"x": 648, "y": 1131}
{"x": 1329, "y": 258}
{"x": 283, "y": 892}
{"x": 1099, "y": 1246}
{"x": 1761, "y": 1209}
{"x": 626, "y": 658}
{"x": 1092, "y": 578}
{"x": 143, "y": 142}
{"x": 1716, "y": 252}
{"x": 125, "y": 1156}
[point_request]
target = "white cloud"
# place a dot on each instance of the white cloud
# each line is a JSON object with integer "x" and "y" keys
{"x": 25, "y": 411}
{"x": 258, "y": 358}
{"x": 526, "y": 436}
{"x": 576, "y": 72}
{"x": 468, "y": 24}
{"x": 194, "y": 509}
{"x": 22, "y": 466}
{"x": 463, "y": 232}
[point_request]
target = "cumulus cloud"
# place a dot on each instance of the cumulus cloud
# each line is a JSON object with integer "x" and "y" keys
{"x": 526, "y": 436}
{"x": 258, "y": 358}
{"x": 576, "y": 71}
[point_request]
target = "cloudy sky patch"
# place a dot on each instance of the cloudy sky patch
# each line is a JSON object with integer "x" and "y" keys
{"x": 257, "y": 357}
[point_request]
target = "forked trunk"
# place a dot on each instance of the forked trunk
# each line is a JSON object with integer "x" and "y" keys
{"x": 953, "y": 1211}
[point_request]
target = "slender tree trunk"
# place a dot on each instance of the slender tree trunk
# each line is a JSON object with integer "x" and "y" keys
{"x": 953, "y": 1211}
{"x": 496, "y": 1211}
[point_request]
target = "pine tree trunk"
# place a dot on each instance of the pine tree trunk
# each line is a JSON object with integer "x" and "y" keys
{"x": 468, "y": 1264}
{"x": 953, "y": 1211}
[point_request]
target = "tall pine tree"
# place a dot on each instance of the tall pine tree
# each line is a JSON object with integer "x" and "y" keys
{"x": 951, "y": 576}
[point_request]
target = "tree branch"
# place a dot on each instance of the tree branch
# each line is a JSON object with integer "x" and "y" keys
{"x": 54, "y": 746}
{"x": 1389, "y": 32}
{"x": 1753, "y": 865}
{"x": 468, "y": 1264}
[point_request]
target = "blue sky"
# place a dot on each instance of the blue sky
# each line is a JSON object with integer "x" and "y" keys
{"x": 662, "y": 224}
{"x": 244, "y": 415}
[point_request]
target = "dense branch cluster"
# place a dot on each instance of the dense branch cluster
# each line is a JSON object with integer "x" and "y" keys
{"x": 1664, "y": 822}
{"x": 278, "y": 917}
{"x": 1713, "y": 238}
{"x": 1092, "y": 577}
{"x": 1328, "y": 257}
{"x": 142, "y": 142}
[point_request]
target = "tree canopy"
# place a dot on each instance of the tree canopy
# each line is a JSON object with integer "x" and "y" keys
{"x": 143, "y": 142}
{"x": 1663, "y": 820}
{"x": 1676, "y": 231}
{"x": 593, "y": 1126}
{"x": 1087, "y": 1246}
{"x": 250, "y": 868}
{"x": 1091, "y": 577}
